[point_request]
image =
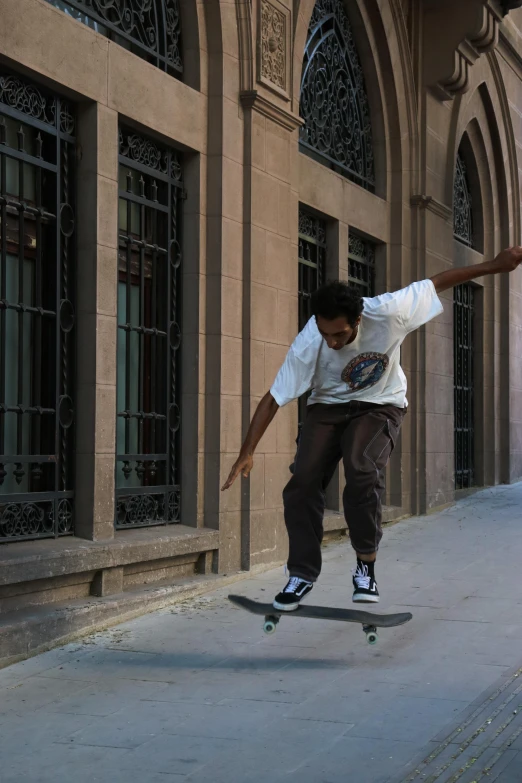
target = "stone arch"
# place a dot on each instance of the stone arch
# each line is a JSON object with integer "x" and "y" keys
{"x": 482, "y": 119}
{"x": 484, "y": 111}
{"x": 211, "y": 31}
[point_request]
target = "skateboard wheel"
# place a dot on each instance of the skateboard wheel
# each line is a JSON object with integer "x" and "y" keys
{"x": 269, "y": 626}
{"x": 371, "y": 637}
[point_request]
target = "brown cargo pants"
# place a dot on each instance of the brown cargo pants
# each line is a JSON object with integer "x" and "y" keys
{"x": 363, "y": 435}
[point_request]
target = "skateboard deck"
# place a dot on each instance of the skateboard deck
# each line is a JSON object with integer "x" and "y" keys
{"x": 369, "y": 621}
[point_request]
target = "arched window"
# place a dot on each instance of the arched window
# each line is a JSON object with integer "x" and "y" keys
{"x": 334, "y": 105}
{"x": 150, "y": 29}
{"x": 462, "y": 214}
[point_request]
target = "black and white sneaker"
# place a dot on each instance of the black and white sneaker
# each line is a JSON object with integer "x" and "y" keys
{"x": 289, "y": 597}
{"x": 365, "y": 586}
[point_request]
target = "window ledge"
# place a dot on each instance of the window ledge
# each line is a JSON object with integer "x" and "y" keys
{"x": 27, "y": 561}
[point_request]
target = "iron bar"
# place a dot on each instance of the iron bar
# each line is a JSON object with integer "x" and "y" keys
{"x": 37, "y": 323}
{"x": 3, "y": 295}
{"x": 146, "y": 202}
{"x": 128, "y": 316}
{"x": 154, "y": 323}
{"x": 141, "y": 321}
{"x": 25, "y": 157}
{"x": 21, "y": 316}
{"x": 19, "y": 307}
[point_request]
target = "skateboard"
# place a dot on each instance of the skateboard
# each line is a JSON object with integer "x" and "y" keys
{"x": 369, "y": 621}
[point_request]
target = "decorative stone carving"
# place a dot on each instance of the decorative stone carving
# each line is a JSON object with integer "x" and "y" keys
{"x": 450, "y": 51}
{"x": 273, "y": 46}
{"x": 273, "y": 49}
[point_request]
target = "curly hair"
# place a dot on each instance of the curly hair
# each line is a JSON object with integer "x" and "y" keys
{"x": 336, "y": 299}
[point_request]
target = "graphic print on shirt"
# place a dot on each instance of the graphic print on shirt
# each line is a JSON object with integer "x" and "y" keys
{"x": 365, "y": 370}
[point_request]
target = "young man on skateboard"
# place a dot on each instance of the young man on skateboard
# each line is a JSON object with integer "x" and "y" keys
{"x": 348, "y": 355}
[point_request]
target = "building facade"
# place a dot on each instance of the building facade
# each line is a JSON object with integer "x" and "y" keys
{"x": 176, "y": 178}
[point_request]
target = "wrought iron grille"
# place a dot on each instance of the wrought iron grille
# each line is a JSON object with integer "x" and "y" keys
{"x": 361, "y": 265}
{"x": 150, "y": 29}
{"x": 462, "y": 205}
{"x": 149, "y": 335}
{"x": 37, "y": 311}
{"x": 312, "y": 262}
{"x": 464, "y": 349}
{"x": 334, "y": 104}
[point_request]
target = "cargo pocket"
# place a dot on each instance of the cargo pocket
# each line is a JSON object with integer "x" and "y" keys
{"x": 380, "y": 447}
{"x": 393, "y": 432}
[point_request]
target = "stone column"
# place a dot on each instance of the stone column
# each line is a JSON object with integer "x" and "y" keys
{"x": 271, "y": 319}
{"x": 97, "y": 328}
{"x": 223, "y": 289}
{"x": 270, "y": 272}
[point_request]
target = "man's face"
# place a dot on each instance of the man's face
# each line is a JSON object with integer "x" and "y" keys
{"x": 337, "y": 333}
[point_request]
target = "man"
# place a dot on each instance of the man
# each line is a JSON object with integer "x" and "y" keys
{"x": 348, "y": 354}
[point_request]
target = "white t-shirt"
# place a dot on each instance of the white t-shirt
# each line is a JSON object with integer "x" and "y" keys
{"x": 367, "y": 369}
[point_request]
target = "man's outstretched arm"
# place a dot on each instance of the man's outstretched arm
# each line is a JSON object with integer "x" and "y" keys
{"x": 506, "y": 261}
{"x": 265, "y": 412}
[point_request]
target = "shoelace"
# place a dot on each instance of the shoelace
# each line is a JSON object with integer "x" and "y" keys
{"x": 293, "y": 584}
{"x": 361, "y": 577}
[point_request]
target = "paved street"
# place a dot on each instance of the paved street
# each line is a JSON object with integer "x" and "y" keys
{"x": 198, "y": 693}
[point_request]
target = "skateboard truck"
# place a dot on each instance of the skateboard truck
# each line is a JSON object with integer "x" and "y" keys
{"x": 271, "y": 621}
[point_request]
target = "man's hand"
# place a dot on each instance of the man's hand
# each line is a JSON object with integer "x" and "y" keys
{"x": 506, "y": 261}
{"x": 265, "y": 412}
{"x": 243, "y": 465}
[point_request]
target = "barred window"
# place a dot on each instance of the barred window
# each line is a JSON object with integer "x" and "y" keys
{"x": 312, "y": 263}
{"x": 333, "y": 103}
{"x": 150, "y": 29}
{"x": 361, "y": 264}
{"x": 312, "y": 260}
{"x": 37, "y": 311}
{"x": 149, "y": 335}
{"x": 462, "y": 204}
{"x": 464, "y": 384}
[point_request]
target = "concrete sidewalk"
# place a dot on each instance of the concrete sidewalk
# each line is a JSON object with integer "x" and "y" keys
{"x": 198, "y": 693}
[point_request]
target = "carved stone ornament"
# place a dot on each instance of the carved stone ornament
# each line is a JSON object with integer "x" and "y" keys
{"x": 452, "y": 50}
{"x": 273, "y": 66}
